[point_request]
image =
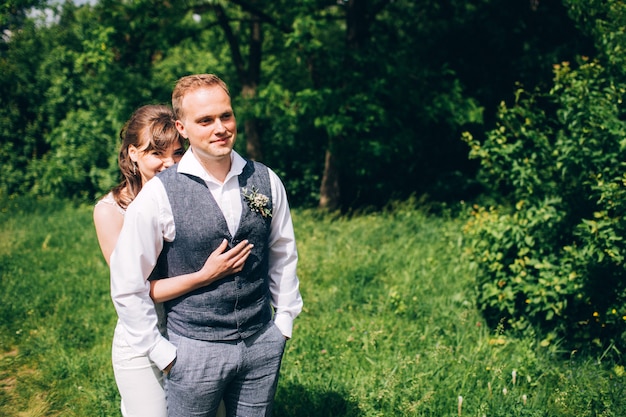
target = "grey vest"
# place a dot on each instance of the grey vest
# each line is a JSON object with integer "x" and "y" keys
{"x": 233, "y": 307}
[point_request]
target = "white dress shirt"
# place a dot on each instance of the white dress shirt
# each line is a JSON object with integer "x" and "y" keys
{"x": 149, "y": 221}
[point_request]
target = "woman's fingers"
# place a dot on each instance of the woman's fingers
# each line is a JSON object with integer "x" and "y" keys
{"x": 239, "y": 254}
{"x": 232, "y": 260}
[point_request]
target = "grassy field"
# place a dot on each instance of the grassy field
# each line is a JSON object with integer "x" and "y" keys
{"x": 389, "y": 326}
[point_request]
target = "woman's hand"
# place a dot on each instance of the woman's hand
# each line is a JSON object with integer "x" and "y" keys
{"x": 222, "y": 263}
{"x": 219, "y": 264}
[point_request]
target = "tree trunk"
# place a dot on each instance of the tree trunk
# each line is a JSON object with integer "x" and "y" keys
{"x": 356, "y": 32}
{"x": 329, "y": 190}
{"x": 253, "y": 143}
{"x": 249, "y": 75}
{"x": 250, "y": 85}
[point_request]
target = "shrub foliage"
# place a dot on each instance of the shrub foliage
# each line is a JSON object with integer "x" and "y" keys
{"x": 552, "y": 255}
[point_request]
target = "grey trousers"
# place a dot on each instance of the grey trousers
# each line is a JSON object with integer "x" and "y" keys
{"x": 243, "y": 372}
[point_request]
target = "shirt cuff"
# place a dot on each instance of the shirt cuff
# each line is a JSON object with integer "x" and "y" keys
{"x": 284, "y": 322}
{"x": 163, "y": 353}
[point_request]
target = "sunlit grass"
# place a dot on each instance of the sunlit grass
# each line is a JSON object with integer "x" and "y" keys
{"x": 389, "y": 326}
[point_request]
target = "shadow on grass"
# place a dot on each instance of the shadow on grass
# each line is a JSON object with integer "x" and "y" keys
{"x": 299, "y": 401}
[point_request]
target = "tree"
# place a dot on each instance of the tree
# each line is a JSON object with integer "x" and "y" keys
{"x": 353, "y": 103}
{"x": 23, "y": 119}
{"x": 249, "y": 75}
{"x": 13, "y": 14}
{"x": 358, "y": 18}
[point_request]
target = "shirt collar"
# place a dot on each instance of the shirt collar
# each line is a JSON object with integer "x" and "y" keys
{"x": 189, "y": 164}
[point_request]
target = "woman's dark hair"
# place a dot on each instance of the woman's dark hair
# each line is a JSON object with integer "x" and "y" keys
{"x": 153, "y": 123}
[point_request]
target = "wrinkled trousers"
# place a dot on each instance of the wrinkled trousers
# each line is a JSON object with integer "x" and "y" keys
{"x": 242, "y": 372}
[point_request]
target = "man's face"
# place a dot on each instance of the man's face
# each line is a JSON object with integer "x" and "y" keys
{"x": 208, "y": 122}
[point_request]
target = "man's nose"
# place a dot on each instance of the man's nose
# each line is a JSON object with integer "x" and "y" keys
{"x": 219, "y": 126}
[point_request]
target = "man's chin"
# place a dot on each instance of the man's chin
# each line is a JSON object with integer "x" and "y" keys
{"x": 220, "y": 153}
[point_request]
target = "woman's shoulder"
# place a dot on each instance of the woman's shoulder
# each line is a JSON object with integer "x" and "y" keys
{"x": 108, "y": 202}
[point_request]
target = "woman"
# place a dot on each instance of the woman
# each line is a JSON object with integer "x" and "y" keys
{"x": 150, "y": 144}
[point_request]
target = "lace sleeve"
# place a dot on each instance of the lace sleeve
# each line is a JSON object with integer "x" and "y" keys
{"x": 108, "y": 199}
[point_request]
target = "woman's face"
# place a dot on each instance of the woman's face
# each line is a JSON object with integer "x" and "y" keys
{"x": 151, "y": 162}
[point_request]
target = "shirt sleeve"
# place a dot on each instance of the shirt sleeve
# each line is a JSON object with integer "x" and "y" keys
{"x": 135, "y": 255}
{"x": 283, "y": 260}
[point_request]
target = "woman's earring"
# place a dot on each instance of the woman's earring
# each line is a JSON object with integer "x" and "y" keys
{"x": 134, "y": 168}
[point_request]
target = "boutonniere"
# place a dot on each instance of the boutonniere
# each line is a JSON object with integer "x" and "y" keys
{"x": 256, "y": 201}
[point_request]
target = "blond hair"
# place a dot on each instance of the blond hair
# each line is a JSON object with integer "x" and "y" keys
{"x": 191, "y": 83}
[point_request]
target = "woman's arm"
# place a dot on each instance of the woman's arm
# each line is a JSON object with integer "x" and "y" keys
{"x": 108, "y": 221}
{"x": 218, "y": 265}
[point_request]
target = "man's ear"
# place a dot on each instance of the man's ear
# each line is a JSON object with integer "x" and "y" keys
{"x": 181, "y": 129}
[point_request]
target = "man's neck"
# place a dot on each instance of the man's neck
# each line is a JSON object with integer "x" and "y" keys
{"x": 218, "y": 168}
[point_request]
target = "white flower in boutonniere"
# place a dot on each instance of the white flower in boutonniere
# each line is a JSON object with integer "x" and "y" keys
{"x": 256, "y": 201}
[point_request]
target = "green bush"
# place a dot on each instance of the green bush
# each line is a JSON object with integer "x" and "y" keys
{"x": 553, "y": 257}
{"x": 83, "y": 147}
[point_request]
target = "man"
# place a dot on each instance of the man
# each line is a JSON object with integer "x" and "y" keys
{"x": 227, "y": 339}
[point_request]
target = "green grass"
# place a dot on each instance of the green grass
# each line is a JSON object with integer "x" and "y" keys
{"x": 389, "y": 326}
